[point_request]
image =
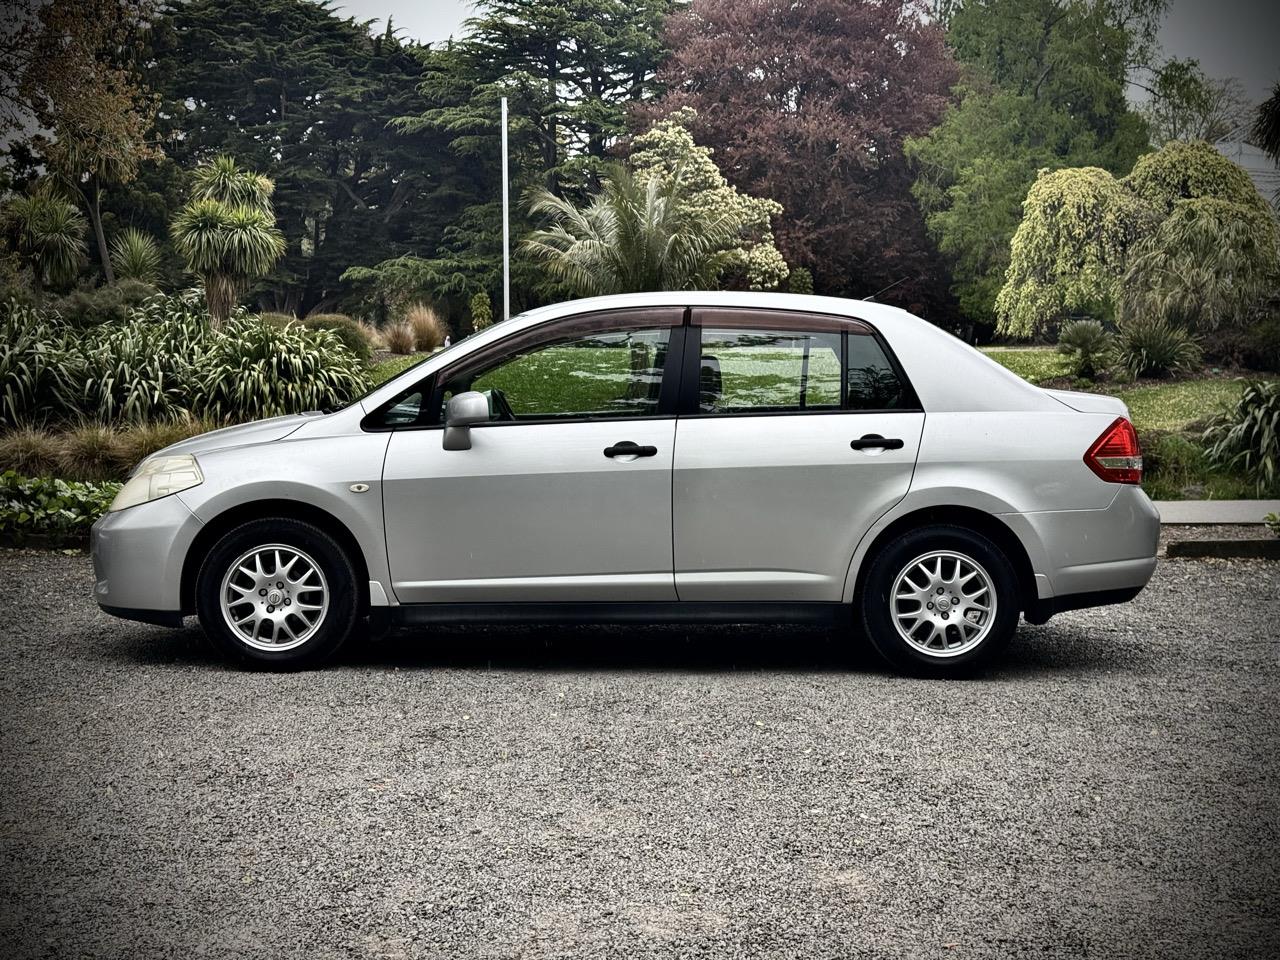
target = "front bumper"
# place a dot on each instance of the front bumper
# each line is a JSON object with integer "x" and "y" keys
{"x": 138, "y": 554}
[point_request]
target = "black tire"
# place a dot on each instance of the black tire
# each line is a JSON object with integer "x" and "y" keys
{"x": 333, "y": 626}
{"x": 878, "y": 612}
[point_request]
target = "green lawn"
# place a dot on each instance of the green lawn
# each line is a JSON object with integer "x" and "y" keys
{"x": 1177, "y": 404}
{"x": 384, "y": 371}
{"x": 1033, "y": 364}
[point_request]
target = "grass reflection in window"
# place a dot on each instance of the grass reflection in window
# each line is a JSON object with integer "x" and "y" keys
{"x": 602, "y": 375}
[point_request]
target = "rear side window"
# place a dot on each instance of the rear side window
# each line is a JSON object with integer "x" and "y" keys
{"x": 754, "y": 362}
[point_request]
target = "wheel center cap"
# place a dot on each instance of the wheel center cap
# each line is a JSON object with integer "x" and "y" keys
{"x": 944, "y": 605}
{"x": 274, "y": 597}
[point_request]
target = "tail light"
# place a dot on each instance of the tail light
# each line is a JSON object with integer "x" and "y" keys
{"x": 1116, "y": 456}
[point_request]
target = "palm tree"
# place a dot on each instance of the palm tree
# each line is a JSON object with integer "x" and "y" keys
{"x": 135, "y": 255}
{"x": 50, "y": 232}
{"x": 633, "y": 236}
{"x": 227, "y": 233}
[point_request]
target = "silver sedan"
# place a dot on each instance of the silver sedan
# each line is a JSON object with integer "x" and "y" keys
{"x": 662, "y": 457}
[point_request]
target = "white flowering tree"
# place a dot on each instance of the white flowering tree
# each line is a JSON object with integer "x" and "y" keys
{"x": 667, "y": 153}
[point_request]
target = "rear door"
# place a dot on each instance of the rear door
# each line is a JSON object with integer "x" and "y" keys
{"x": 804, "y": 432}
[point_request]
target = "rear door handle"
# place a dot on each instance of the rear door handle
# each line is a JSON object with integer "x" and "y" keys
{"x": 875, "y": 440}
{"x": 628, "y": 449}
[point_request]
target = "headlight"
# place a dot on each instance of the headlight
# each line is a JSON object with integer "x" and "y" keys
{"x": 158, "y": 477}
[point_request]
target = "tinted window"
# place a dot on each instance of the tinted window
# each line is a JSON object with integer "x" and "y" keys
{"x": 872, "y": 384}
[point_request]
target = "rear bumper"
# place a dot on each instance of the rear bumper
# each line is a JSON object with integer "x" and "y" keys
{"x": 1098, "y": 554}
{"x": 1041, "y": 610}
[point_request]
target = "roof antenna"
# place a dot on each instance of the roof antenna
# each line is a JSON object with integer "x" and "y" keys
{"x": 882, "y": 290}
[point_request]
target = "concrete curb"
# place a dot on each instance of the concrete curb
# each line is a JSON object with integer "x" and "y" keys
{"x": 1223, "y": 549}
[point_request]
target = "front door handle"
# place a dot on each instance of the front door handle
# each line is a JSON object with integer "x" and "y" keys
{"x": 628, "y": 449}
{"x": 875, "y": 440}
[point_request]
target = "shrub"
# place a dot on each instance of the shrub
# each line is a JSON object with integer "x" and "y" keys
{"x": 1247, "y": 437}
{"x": 135, "y": 255}
{"x": 372, "y": 334}
{"x": 253, "y": 370}
{"x": 481, "y": 311}
{"x": 107, "y": 304}
{"x": 140, "y": 370}
{"x": 50, "y": 508}
{"x": 29, "y": 452}
{"x": 144, "y": 439}
{"x": 429, "y": 331}
{"x": 91, "y": 451}
{"x": 31, "y": 349}
{"x": 344, "y": 328}
{"x": 1087, "y": 345}
{"x": 1155, "y": 348}
{"x": 1272, "y": 520}
{"x": 800, "y": 280}
{"x": 399, "y": 338}
{"x": 277, "y": 319}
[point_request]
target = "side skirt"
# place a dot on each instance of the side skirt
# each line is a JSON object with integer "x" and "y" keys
{"x": 422, "y": 614}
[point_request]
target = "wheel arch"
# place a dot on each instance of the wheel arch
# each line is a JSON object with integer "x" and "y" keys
{"x": 229, "y": 519}
{"x": 989, "y": 525}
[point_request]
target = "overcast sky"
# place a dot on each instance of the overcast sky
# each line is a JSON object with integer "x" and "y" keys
{"x": 1230, "y": 38}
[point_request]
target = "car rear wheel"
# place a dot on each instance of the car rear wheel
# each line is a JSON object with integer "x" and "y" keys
{"x": 277, "y": 593}
{"x": 940, "y": 600}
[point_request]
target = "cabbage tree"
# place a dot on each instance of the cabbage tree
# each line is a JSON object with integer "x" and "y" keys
{"x": 227, "y": 233}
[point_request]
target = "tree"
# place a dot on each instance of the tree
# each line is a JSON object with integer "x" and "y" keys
{"x": 1210, "y": 264}
{"x": 1068, "y": 254}
{"x": 569, "y": 69}
{"x": 49, "y": 232}
{"x": 569, "y": 72}
{"x": 809, "y": 105}
{"x": 1184, "y": 239}
{"x": 667, "y": 152}
{"x": 227, "y": 233}
{"x": 315, "y": 115}
{"x": 1266, "y": 125}
{"x": 1043, "y": 87}
{"x": 635, "y": 235}
{"x": 81, "y": 83}
{"x": 1186, "y": 104}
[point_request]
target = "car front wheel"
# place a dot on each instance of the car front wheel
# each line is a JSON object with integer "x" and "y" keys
{"x": 277, "y": 593}
{"x": 940, "y": 600}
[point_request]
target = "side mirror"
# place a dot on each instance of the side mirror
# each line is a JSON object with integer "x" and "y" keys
{"x": 460, "y": 413}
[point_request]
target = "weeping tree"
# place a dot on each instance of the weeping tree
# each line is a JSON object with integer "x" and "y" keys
{"x": 633, "y": 236}
{"x": 1210, "y": 264}
{"x": 1185, "y": 239}
{"x": 1068, "y": 254}
{"x": 227, "y": 232}
{"x": 50, "y": 232}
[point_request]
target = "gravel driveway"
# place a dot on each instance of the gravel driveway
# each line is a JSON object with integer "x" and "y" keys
{"x": 1111, "y": 790}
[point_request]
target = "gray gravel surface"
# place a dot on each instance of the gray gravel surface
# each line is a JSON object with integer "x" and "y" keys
{"x": 1110, "y": 790}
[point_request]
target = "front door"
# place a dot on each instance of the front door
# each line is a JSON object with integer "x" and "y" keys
{"x": 805, "y": 433}
{"x": 566, "y": 493}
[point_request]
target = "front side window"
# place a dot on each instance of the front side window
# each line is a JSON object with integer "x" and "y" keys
{"x": 758, "y": 362}
{"x": 596, "y": 367}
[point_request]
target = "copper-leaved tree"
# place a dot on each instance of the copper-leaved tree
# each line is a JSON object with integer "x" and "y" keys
{"x": 808, "y": 105}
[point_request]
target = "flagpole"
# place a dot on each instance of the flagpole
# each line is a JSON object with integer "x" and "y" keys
{"x": 506, "y": 222}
